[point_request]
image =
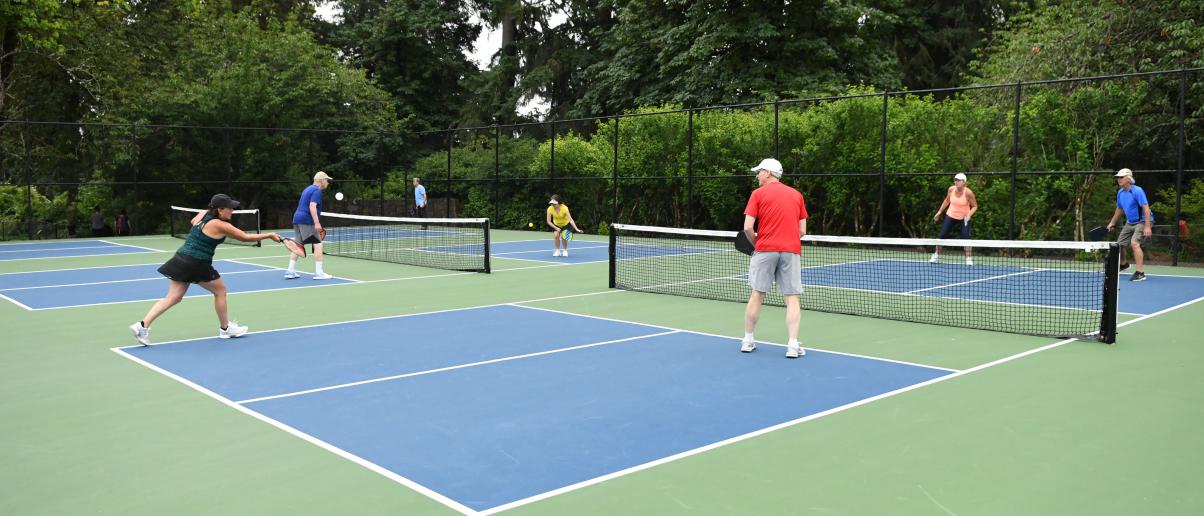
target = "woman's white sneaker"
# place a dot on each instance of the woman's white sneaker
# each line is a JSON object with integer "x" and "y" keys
{"x": 232, "y": 330}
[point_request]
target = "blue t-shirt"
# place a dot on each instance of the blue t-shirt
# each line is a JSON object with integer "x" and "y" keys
{"x": 419, "y": 195}
{"x": 311, "y": 194}
{"x": 1131, "y": 202}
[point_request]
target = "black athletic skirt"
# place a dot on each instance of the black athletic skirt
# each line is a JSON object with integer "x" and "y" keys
{"x": 182, "y": 267}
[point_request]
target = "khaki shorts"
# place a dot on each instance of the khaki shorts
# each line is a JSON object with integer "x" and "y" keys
{"x": 765, "y": 269}
{"x": 1132, "y": 232}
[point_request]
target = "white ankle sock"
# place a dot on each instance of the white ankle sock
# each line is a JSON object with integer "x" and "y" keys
{"x": 292, "y": 265}
{"x": 748, "y": 337}
{"x": 318, "y": 268}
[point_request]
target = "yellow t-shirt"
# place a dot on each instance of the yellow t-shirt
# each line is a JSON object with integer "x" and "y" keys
{"x": 559, "y": 217}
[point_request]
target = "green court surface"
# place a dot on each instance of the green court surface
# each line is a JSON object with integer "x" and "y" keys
{"x": 1028, "y": 425}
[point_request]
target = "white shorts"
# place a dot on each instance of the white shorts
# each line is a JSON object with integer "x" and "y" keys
{"x": 767, "y": 268}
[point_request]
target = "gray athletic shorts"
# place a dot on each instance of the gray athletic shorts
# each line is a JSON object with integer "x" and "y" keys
{"x": 1134, "y": 231}
{"x": 306, "y": 234}
{"x": 765, "y": 269}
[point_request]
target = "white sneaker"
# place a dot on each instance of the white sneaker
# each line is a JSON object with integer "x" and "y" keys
{"x": 795, "y": 351}
{"x": 141, "y": 333}
{"x": 322, "y": 276}
{"x": 291, "y": 275}
{"x": 969, "y": 261}
{"x": 564, "y": 252}
{"x": 232, "y": 330}
{"x": 935, "y": 258}
{"x": 748, "y": 346}
{"x": 556, "y": 252}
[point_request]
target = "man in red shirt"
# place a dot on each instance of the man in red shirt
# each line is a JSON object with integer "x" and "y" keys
{"x": 781, "y": 216}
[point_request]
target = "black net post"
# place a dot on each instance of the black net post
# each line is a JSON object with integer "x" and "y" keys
{"x": 488, "y": 268}
{"x": 1179, "y": 168}
{"x": 613, "y": 240}
{"x": 1107, "y": 324}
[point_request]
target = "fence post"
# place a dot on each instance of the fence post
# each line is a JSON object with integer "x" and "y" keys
{"x": 552, "y": 157}
{"x": 497, "y": 167}
{"x": 1015, "y": 162}
{"x": 614, "y": 182}
{"x": 1179, "y": 167}
{"x": 451, "y": 139}
{"x": 882, "y": 168}
{"x": 380, "y": 205}
{"x": 28, "y": 184}
{"x": 690, "y": 169}
{"x": 776, "y": 104}
{"x": 134, "y": 166}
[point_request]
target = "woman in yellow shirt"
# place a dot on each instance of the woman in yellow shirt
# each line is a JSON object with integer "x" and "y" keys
{"x": 558, "y": 218}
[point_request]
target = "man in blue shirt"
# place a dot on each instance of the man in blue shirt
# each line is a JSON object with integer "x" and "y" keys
{"x": 419, "y": 200}
{"x": 1131, "y": 201}
{"x": 307, "y": 225}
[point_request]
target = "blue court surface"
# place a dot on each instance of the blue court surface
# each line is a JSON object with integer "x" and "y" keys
{"x": 63, "y": 249}
{"x": 580, "y": 251}
{"x": 494, "y": 405}
{"x": 98, "y": 285}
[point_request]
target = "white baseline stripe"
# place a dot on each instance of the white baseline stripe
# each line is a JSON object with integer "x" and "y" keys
{"x": 306, "y": 437}
{"x": 451, "y": 368}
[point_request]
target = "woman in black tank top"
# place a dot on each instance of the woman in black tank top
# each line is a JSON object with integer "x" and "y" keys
{"x": 193, "y": 263}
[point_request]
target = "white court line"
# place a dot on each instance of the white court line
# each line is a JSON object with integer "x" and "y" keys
{"x": 317, "y": 284}
{"x": 349, "y": 281}
{"x": 448, "y": 502}
{"x": 446, "y": 310}
{"x": 451, "y": 368}
{"x": 787, "y": 424}
{"x": 546, "y": 250}
{"x": 454, "y": 505}
{"x": 64, "y": 249}
{"x": 991, "y": 278}
{"x": 679, "y": 330}
{"x": 78, "y": 255}
{"x": 156, "y": 278}
{"x": 127, "y": 245}
{"x": 273, "y": 267}
{"x": 15, "y": 302}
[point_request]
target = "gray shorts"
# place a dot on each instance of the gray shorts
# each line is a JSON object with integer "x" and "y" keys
{"x": 765, "y": 269}
{"x": 1132, "y": 232}
{"x": 306, "y": 234}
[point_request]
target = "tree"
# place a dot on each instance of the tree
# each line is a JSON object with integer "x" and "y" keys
{"x": 413, "y": 49}
{"x": 683, "y": 52}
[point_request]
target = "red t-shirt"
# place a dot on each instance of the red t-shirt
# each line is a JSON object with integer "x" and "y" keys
{"x": 777, "y": 208}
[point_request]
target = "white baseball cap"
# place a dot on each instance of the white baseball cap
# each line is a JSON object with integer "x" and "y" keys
{"x": 1123, "y": 172}
{"x": 772, "y": 165}
{"x": 959, "y": 177}
{"x": 553, "y": 201}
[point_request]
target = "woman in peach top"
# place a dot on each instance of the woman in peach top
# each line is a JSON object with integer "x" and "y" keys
{"x": 959, "y": 206}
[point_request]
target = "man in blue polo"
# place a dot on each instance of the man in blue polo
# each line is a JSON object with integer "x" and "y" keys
{"x": 1131, "y": 201}
{"x": 307, "y": 225}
